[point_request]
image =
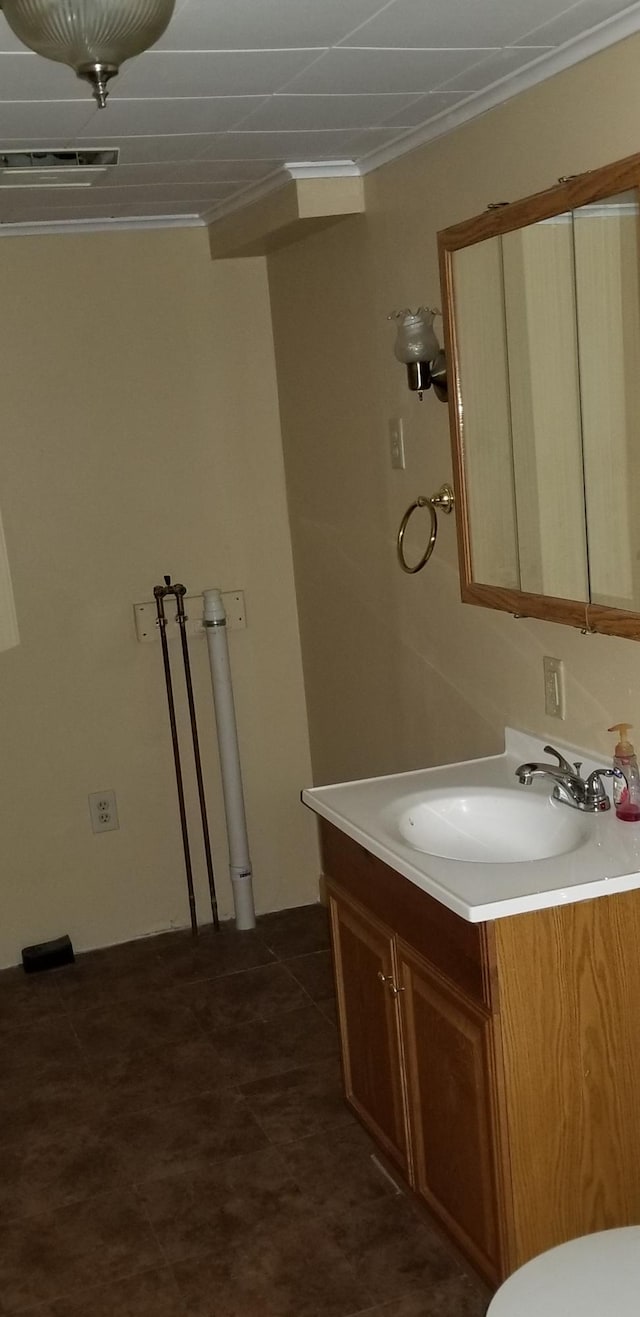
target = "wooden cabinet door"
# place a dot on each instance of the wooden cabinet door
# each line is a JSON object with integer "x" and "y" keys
{"x": 447, "y": 1046}
{"x": 369, "y": 1024}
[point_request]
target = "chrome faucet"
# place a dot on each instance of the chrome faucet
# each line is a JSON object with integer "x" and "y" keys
{"x": 570, "y": 787}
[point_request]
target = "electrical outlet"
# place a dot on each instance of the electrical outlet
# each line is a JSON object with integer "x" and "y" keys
{"x": 396, "y": 443}
{"x": 553, "y": 687}
{"x": 103, "y": 811}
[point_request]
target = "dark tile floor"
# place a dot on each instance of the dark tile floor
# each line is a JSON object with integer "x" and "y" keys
{"x": 174, "y": 1142}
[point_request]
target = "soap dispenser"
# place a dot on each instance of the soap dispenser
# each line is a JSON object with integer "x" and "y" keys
{"x": 626, "y": 795}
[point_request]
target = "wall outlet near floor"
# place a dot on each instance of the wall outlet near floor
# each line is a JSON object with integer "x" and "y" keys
{"x": 554, "y": 705}
{"x": 103, "y": 811}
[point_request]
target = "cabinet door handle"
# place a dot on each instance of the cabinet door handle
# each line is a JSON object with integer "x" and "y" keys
{"x": 386, "y": 978}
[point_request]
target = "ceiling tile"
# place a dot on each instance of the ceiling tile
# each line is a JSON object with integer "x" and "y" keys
{"x": 223, "y": 173}
{"x": 576, "y": 20}
{"x": 27, "y": 143}
{"x": 270, "y": 24}
{"x": 351, "y": 70}
{"x": 198, "y": 114}
{"x": 300, "y": 113}
{"x": 149, "y": 209}
{"x": 150, "y": 148}
{"x": 412, "y": 23}
{"x": 327, "y": 145}
{"x": 210, "y": 73}
{"x": 426, "y": 108}
{"x": 61, "y": 119}
{"x": 497, "y": 66}
{"x": 161, "y": 198}
{"x": 368, "y": 140}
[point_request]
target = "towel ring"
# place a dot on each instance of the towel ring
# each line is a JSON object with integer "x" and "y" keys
{"x": 444, "y": 500}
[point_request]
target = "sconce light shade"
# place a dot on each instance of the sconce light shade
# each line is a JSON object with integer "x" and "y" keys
{"x": 416, "y": 339}
{"x": 417, "y": 346}
{"x": 93, "y": 36}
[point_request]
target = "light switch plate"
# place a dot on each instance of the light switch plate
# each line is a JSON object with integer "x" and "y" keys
{"x": 396, "y": 443}
{"x": 554, "y": 703}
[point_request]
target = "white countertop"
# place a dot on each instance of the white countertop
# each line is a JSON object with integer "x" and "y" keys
{"x": 606, "y": 861}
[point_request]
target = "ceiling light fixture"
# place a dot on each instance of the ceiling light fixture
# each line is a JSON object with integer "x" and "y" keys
{"x": 93, "y": 36}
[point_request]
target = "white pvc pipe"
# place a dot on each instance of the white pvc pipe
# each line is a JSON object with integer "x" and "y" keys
{"x": 215, "y": 624}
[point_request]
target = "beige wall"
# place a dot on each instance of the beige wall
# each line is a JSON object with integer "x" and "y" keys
{"x": 137, "y": 442}
{"x": 398, "y": 672}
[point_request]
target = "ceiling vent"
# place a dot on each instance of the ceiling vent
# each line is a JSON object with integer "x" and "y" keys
{"x": 46, "y": 169}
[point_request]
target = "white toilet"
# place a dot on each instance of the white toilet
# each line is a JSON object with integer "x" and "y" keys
{"x": 593, "y": 1276}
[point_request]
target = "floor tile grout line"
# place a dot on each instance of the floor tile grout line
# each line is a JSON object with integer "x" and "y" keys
{"x": 290, "y": 1070}
{"x": 228, "y": 974}
{"x": 33, "y": 1310}
{"x": 226, "y": 978}
{"x": 306, "y": 955}
{"x": 300, "y": 985}
{"x": 91, "y": 1063}
{"x": 147, "y": 1217}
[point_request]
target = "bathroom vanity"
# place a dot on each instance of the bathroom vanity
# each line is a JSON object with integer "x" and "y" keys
{"x": 490, "y": 1012}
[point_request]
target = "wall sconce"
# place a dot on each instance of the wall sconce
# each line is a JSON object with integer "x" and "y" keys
{"x": 417, "y": 346}
{"x": 93, "y": 36}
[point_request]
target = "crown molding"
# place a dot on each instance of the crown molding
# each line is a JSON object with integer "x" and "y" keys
{"x": 28, "y": 229}
{"x": 323, "y": 169}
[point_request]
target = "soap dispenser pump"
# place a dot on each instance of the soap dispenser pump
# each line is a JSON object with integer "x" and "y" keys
{"x": 626, "y": 794}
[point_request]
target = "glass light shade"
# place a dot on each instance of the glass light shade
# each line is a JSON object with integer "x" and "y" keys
{"x": 93, "y": 36}
{"x": 416, "y": 339}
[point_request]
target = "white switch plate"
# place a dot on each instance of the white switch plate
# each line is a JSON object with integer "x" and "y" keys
{"x": 396, "y": 443}
{"x": 553, "y": 687}
{"x": 146, "y": 615}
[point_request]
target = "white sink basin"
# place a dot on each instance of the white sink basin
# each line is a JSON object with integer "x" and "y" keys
{"x": 486, "y": 847}
{"x": 489, "y": 825}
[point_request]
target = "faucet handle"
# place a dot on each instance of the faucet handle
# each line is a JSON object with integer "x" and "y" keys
{"x": 595, "y": 792}
{"x": 577, "y": 765}
{"x": 564, "y": 763}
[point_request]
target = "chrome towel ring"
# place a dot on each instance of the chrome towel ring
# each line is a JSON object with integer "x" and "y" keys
{"x": 444, "y": 500}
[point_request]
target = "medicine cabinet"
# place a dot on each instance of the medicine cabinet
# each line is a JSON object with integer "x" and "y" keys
{"x": 542, "y": 323}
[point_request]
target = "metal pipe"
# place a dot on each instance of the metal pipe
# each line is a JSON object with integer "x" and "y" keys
{"x": 215, "y": 624}
{"x": 159, "y": 593}
{"x": 181, "y": 619}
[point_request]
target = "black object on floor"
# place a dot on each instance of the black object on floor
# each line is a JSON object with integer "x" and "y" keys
{"x": 48, "y": 955}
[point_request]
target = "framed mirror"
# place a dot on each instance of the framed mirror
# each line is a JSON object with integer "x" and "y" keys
{"x": 542, "y": 323}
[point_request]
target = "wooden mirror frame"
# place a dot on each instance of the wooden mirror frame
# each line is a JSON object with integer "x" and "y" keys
{"x": 568, "y": 195}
